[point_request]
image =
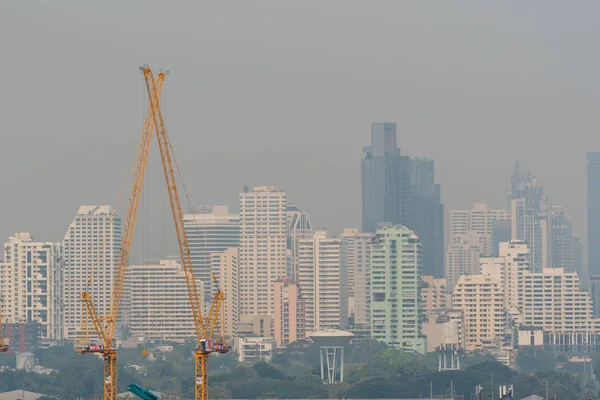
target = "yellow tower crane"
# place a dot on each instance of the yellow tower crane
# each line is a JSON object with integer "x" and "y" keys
{"x": 205, "y": 328}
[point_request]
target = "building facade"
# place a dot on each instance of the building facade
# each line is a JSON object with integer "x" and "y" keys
{"x": 355, "y": 277}
{"x": 159, "y": 304}
{"x": 299, "y": 227}
{"x": 31, "y": 279}
{"x": 434, "y": 294}
{"x": 263, "y": 249}
{"x": 212, "y": 229}
{"x": 396, "y": 309}
{"x": 481, "y": 300}
{"x": 90, "y": 246}
{"x": 567, "y": 251}
{"x": 225, "y": 267}
{"x": 289, "y": 315}
{"x": 479, "y": 219}
{"x": 401, "y": 190}
{"x": 319, "y": 279}
{"x": 463, "y": 256}
{"x": 593, "y": 213}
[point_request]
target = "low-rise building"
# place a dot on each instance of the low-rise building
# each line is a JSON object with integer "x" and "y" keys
{"x": 254, "y": 349}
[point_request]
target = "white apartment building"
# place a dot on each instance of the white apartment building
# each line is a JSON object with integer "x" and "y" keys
{"x": 553, "y": 300}
{"x": 263, "y": 250}
{"x": 211, "y": 229}
{"x": 355, "y": 275}
{"x": 462, "y": 256}
{"x": 479, "y": 219}
{"x": 508, "y": 270}
{"x": 481, "y": 300}
{"x": 299, "y": 227}
{"x": 91, "y": 245}
{"x": 31, "y": 284}
{"x": 225, "y": 267}
{"x": 158, "y": 302}
{"x": 319, "y": 279}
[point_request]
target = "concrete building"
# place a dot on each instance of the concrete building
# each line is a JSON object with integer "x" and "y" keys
{"x": 462, "y": 257}
{"x": 479, "y": 219}
{"x": 396, "y": 310}
{"x": 319, "y": 274}
{"x": 212, "y": 229}
{"x": 401, "y": 190}
{"x": 481, "y": 300}
{"x": 299, "y": 227}
{"x": 434, "y": 294}
{"x": 567, "y": 251}
{"x": 289, "y": 315}
{"x": 254, "y": 349}
{"x": 91, "y": 245}
{"x": 593, "y": 214}
{"x": 553, "y": 301}
{"x": 508, "y": 270}
{"x": 31, "y": 279}
{"x": 225, "y": 267}
{"x": 355, "y": 276}
{"x": 594, "y": 290}
{"x": 159, "y": 302}
{"x": 263, "y": 249}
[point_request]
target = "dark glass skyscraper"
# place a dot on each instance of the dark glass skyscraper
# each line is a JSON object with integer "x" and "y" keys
{"x": 401, "y": 190}
{"x": 593, "y": 215}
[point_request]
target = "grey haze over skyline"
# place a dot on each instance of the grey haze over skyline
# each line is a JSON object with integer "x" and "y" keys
{"x": 284, "y": 94}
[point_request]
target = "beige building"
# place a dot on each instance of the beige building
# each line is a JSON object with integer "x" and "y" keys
{"x": 479, "y": 219}
{"x": 462, "y": 257}
{"x": 481, "y": 300}
{"x": 288, "y": 321}
{"x": 355, "y": 276}
{"x": 319, "y": 279}
{"x": 225, "y": 268}
{"x": 31, "y": 284}
{"x": 263, "y": 250}
{"x": 434, "y": 294}
{"x": 508, "y": 270}
{"x": 158, "y": 302}
{"x": 552, "y": 300}
{"x": 298, "y": 227}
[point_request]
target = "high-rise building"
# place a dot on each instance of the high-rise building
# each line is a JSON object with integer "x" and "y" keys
{"x": 531, "y": 218}
{"x": 462, "y": 256}
{"x": 31, "y": 284}
{"x": 212, "y": 229}
{"x": 593, "y": 213}
{"x": 479, "y": 219}
{"x": 225, "y": 267}
{"x": 159, "y": 305}
{"x": 263, "y": 249}
{"x": 434, "y": 294}
{"x": 319, "y": 279}
{"x": 480, "y": 298}
{"x": 289, "y": 315}
{"x": 508, "y": 270}
{"x": 594, "y": 290}
{"x": 299, "y": 227}
{"x": 401, "y": 190}
{"x": 553, "y": 301}
{"x": 396, "y": 310}
{"x": 90, "y": 246}
{"x": 566, "y": 249}
{"x": 355, "y": 276}
{"x": 500, "y": 233}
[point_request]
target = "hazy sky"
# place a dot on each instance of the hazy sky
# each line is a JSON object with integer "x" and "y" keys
{"x": 283, "y": 93}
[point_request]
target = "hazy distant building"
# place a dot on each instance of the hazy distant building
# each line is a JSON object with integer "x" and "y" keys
{"x": 289, "y": 318}
{"x": 298, "y": 227}
{"x": 479, "y": 219}
{"x": 212, "y": 229}
{"x": 594, "y": 290}
{"x": 159, "y": 305}
{"x": 31, "y": 284}
{"x": 319, "y": 279}
{"x": 91, "y": 245}
{"x": 462, "y": 256}
{"x": 225, "y": 267}
{"x": 355, "y": 276}
{"x": 566, "y": 249}
{"x": 401, "y": 190}
{"x": 531, "y": 218}
{"x": 593, "y": 213}
{"x": 263, "y": 250}
{"x": 396, "y": 310}
{"x": 500, "y": 233}
{"x": 434, "y": 294}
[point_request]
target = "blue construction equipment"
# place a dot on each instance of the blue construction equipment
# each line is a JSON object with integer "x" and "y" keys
{"x": 142, "y": 393}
